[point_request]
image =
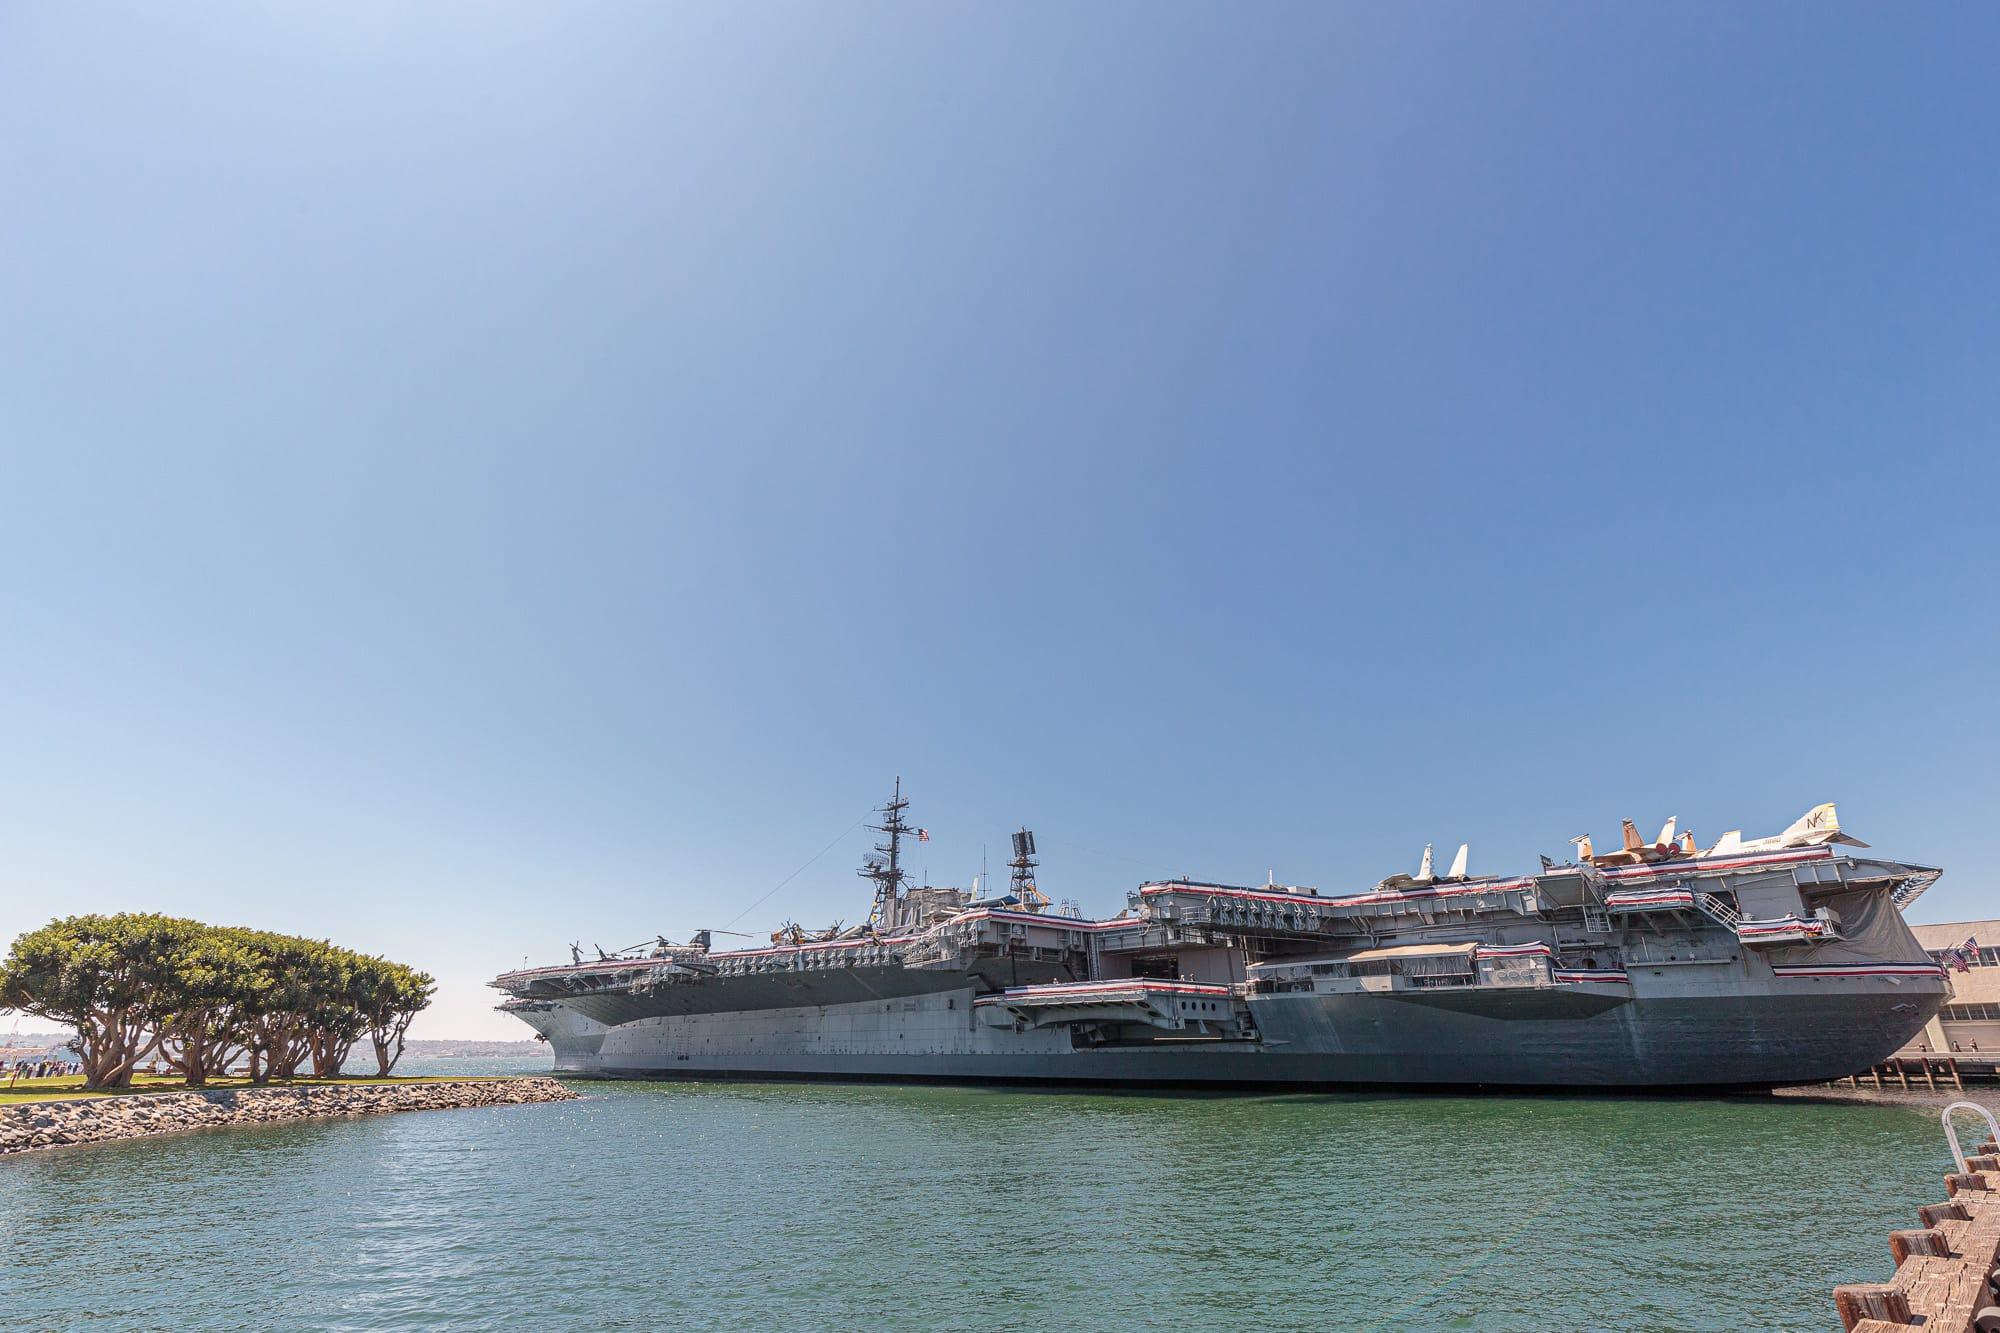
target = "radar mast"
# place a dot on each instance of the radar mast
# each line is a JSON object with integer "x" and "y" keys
{"x": 1022, "y": 882}
{"x": 885, "y": 864}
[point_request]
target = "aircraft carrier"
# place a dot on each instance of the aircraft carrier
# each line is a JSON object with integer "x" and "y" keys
{"x": 1662, "y": 964}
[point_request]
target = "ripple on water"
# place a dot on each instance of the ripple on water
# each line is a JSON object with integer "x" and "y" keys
{"x": 761, "y": 1206}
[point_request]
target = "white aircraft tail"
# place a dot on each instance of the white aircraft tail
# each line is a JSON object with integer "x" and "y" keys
{"x": 1424, "y": 871}
{"x": 1666, "y": 838}
{"x": 1815, "y": 828}
{"x": 1457, "y": 870}
{"x": 1818, "y": 826}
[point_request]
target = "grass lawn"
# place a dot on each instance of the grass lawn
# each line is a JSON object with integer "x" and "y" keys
{"x": 70, "y": 1087}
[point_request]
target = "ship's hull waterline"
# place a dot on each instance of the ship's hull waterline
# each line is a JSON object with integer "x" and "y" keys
{"x": 1567, "y": 1040}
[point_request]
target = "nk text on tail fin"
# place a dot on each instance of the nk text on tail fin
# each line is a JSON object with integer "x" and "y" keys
{"x": 1815, "y": 827}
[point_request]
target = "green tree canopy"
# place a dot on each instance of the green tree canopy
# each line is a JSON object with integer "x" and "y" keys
{"x": 204, "y": 996}
{"x": 112, "y": 978}
{"x": 394, "y": 995}
{"x": 217, "y": 989}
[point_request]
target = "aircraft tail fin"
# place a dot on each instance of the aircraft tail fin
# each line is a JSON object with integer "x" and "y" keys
{"x": 1457, "y": 870}
{"x": 1819, "y": 825}
{"x": 1632, "y": 843}
{"x": 1424, "y": 871}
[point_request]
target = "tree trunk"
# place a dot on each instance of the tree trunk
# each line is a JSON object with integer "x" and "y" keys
{"x": 329, "y": 1053}
{"x": 287, "y": 1054}
{"x": 184, "y": 1052}
{"x": 97, "y": 1069}
{"x": 386, "y": 1035}
{"x": 110, "y": 1049}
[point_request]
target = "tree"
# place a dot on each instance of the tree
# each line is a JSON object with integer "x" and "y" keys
{"x": 396, "y": 995}
{"x": 337, "y": 982}
{"x": 201, "y": 995}
{"x": 217, "y": 987}
{"x": 109, "y": 977}
{"x": 277, "y": 1028}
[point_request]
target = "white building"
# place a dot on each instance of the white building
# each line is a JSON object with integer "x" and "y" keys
{"x": 1970, "y": 1023}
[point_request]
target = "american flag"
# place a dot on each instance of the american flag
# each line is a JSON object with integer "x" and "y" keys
{"x": 1961, "y": 956}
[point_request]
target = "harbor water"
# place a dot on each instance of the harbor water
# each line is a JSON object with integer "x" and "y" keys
{"x": 757, "y": 1206}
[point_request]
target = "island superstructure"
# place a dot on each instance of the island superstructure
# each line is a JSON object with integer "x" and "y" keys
{"x": 1749, "y": 963}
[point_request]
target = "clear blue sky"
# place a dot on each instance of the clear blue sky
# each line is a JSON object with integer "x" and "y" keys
{"x": 481, "y": 476}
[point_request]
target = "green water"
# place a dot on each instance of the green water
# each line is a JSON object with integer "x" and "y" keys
{"x": 726, "y": 1206}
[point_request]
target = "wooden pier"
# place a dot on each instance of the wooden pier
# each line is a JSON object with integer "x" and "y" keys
{"x": 1947, "y": 1277}
{"x": 1936, "y": 1072}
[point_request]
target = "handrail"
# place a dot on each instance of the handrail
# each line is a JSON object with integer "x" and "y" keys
{"x": 1951, "y": 1130}
{"x": 1718, "y": 909}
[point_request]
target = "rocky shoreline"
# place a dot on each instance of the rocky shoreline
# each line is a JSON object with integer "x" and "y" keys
{"x": 28, "y": 1126}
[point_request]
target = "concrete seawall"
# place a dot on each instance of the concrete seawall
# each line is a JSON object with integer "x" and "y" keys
{"x": 27, "y": 1126}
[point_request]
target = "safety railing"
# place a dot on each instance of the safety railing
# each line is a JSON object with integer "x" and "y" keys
{"x": 1951, "y": 1128}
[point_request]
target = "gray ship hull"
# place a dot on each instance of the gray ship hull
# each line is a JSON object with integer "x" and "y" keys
{"x": 1576, "y": 1038}
{"x": 1781, "y": 961}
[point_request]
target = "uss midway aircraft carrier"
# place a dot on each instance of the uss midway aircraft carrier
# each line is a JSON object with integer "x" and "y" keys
{"x": 1661, "y": 964}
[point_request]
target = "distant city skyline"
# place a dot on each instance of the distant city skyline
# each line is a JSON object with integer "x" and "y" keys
{"x": 476, "y": 479}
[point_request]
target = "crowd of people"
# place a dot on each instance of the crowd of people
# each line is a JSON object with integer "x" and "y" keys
{"x": 43, "y": 1068}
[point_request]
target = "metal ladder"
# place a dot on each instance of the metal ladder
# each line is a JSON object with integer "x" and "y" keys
{"x": 1717, "y": 909}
